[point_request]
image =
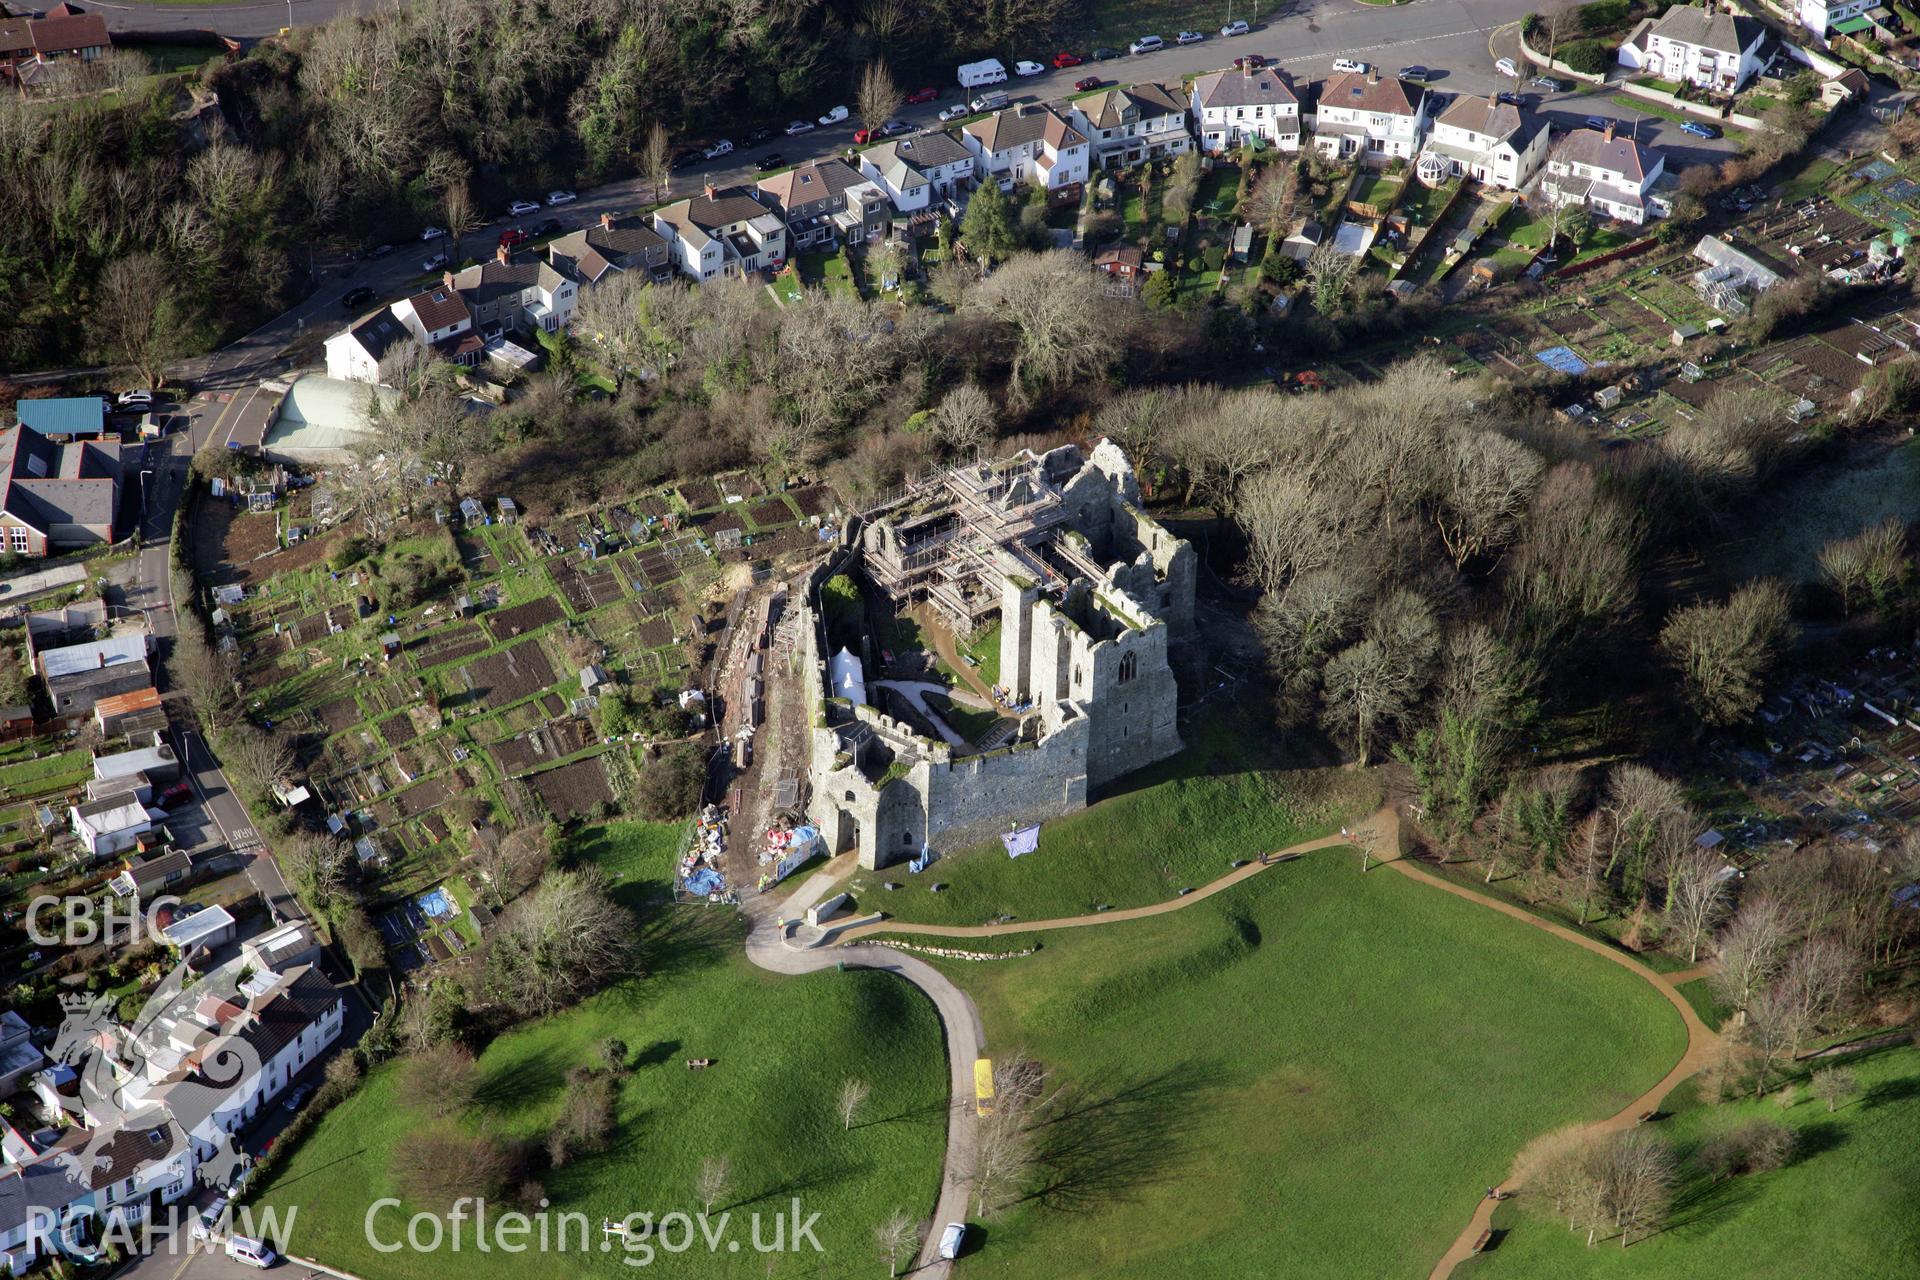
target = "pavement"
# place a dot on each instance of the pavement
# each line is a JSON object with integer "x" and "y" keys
{"x": 965, "y": 1038}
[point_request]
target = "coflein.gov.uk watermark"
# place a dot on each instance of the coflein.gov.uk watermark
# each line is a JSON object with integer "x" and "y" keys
{"x": 639, "y": 1238}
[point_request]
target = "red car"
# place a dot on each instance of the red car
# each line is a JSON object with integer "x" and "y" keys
{"x": 861, "y": 137}
{"x": 1254, "y": 60}
{"x": 512, "y": 237}
{"x": 923, "y": 95}
{"x": 1088, "y": 85}
{"x": 1061, "y": 61}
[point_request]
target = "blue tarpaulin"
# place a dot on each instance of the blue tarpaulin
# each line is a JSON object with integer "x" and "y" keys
{"x": 704, "y": 881}
{"x": 1561, "y": 360}
{"x": 1021, "y": 840}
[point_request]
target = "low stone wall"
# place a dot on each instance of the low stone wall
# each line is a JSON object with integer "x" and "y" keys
{"x": 1701, "y": 109}
{"x": 1592, "y": 264}
{"x": 1558, "y": 68}
{"x": 953, "y": 953}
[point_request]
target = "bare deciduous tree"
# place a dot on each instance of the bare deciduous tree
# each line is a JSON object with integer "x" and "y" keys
{"x": 656, "y": 162}
{"x": 1064, "y": 325}
{"x": 896, "y": 1238}
{"x": 853, "y": 1096}
{"x": 879, "y": 97}
{"x": 713, "y": 1181}
{"x": 131, "y": 315}
{"x": 442, "y": 1078}
{"x": 1485, "y": 484}
{"x": 1372, "y": 684}
{"x": 1752, "y": 948}
{"x": 966, "y": 420}
{"x": 1697, "y": 890}
{"x": 1723, "y": 652}
{"x": 558, "y": 942}
{"x": 1832, "y": 1085}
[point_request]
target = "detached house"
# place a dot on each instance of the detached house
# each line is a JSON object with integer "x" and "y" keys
{"x": 1132, "y": 124}
{"x": 921, "y": 174}
{"x": 1487, "y": 140}
{"x": 510, "y": 293}
{"x": 56, "y": 496}
{"x": 1718, "y": 51}
{"x": 1367, "y": 118}
{"x": 438, "y": 318}
{"x": 827, "y": 201}
{"x": 1028, "y": 144}
{"x": 1613, "y": 176}
{"x": 722, "y": 231}
{"x": 1235, "y": 107}
{"x": 612, "y": 244}
{"x": 356, "y": 352}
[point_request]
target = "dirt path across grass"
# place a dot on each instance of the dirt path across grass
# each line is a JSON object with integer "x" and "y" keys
{"x": 1703, "y": 1044}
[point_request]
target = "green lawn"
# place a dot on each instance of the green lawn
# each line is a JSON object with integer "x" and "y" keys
{"x": 1181, "y": 825}
{"x": 1811, "y": 181}
{"x": 985, "y": 650}
{"x": 47, "y": 773}
{"x": 1845, "y": 1207}
{"x": 1824, "y": 504}
{"x": 1315, "y": 1074}
{"x": 1699, "y": 994}
{"x": 781, "y": 1048}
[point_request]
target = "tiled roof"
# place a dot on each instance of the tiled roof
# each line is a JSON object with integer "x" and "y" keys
{"x": 1242, "y": 88}
{"x": 1492, "y": 118}
{"x": 379, "y": 333}
{"x": 439, "y": 308}
{"x": 44, "y": 484}
{"x": 489, "y": 280}
{"x": 1620, "y": 154}
{"x": 814, "y": 180}
{"x": 1128, "y": 104}
{"x": 1723, "y": 32}
{"x": 1018, "y": 126}
{"x": 69, "y": 33}
{"x": 592, "y": 248}
{"x": 1357, "y": 92}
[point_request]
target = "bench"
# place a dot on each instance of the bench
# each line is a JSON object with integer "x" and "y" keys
{"x": 1486, "y": 1238}
{"x": 699, "y": 1064}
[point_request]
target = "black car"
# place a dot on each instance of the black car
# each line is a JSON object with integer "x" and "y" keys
{"x": 551, "y": 227}
{"x": 763, "y": 134}
{"x": 1511, "y": 99}
{"x": 687, "y": 159}
{"x": 1104, "y": 54}
{"x": 356, "y": 298}
{"x": 769, "y": 162}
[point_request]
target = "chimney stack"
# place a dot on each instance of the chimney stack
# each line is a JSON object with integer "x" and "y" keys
{"x": 606, "y": 222}
{"x": 1373, "y": 75}
{"x": 446, "y": 280}
{"x": 1609, "y": 131}
{"x": 712, "y": 191}
{"x": 503, "y": 254}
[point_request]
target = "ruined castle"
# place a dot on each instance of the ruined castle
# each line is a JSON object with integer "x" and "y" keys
{"x": 1090, "y": 592}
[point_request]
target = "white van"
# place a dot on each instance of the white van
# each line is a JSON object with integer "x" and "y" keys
{"x": 255, "y": 1253}
{"x": 996, "y": 100}
{"x": 1349, "y": 66}
{"x": 951, "y": 1239}
{"x": 987, "y": 71}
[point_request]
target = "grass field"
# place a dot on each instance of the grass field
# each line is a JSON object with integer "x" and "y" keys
{"x": 1848, "y": 1206}
{"x": 47, "y": 773}
{"x": 781, "y": 1048}
{"x": 1314, "y": 1074}
{"x": 1827, "y": 503}
{"x": 1181, "y": 824}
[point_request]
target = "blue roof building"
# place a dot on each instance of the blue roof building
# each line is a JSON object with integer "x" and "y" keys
{"x": 67, "y": 415}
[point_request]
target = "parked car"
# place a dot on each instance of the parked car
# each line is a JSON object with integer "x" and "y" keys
{"x": 207, "y": 1221}
{"x": 354, "y": 299}
{"x": 298, "y": 1097}
{"x": 797, "y": 127}
{"x": 724, "y": 147}
{"x": 1549, "y": 84}
{"x": 513, "y": 237}
{"x": 1063, "y": 60}
{"x": 894, "y": 128}
{"x": 435, "y": 263}
{"x": 861, "y": 137}
{"x": 1088, "y": 85}
{"x": 521, "y": 208}
{"x": 766, "y": 132}
{"x": 951, "y": 1238}
{"x": 1104, "y": 54}
{"x": 1027, "y": 68}
{"x": 770, "y": 161}
{"x": 1190, "y": 37}
{"x": 1416, "y": 74}
{"x": 255, "y": 1253}
{"x": 1147, "y": 44}
{"x": 547, "y": 227}
{"x": 686, "y": 160}
{"x": 1511, "y": 99}
{"x": 1598, "y": 122}
{"x": 1238, "y": 27}
{"x": 380, "y": 251}
{"x": 1254, "y": 60}
{"x": 834, "y": 116}
{"x": 1507, "y": 67}
{"x": 1699, "y": 130}
{"x": 1349, "y": 66}
{"x": 919, "y": 96}
{"x": 997, "y": 100}
{"x": 957, "y": 111}
{"x": 134, "y": 400}
{"x": 432, "y": 233}
{"x": 561, "y": 197}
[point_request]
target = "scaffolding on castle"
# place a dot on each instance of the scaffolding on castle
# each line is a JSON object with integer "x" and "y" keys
{"x": 958, "y": 532}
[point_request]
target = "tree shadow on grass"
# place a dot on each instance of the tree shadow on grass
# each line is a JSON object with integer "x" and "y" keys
{"x": 660, "y": 1051}
{"x": 938, "y": 1109}
{"x": 828, "y": 1174}
{"x": 1887, "y": 1092}
{"x": 1097, "y": 1143}
{"x": 533, "y": 1076}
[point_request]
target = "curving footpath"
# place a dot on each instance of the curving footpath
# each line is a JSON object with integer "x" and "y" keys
{"x": 769, "y": 947}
